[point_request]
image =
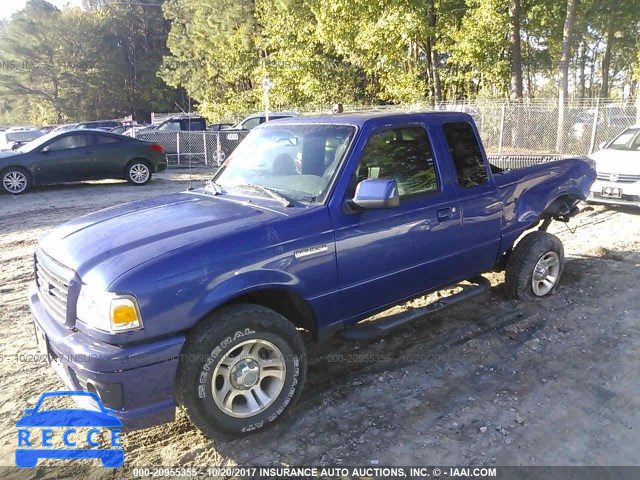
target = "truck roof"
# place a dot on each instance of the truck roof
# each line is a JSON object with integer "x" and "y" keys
{"x": 360, "y": 118}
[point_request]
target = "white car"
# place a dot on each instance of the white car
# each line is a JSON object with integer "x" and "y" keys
{"x": 618, "y": 168}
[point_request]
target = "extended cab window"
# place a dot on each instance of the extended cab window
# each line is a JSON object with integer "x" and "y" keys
{"x": 465, "y": 151}
{"x": 403, "y": 154}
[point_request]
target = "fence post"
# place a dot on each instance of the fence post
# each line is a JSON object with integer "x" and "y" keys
{"x": 501, "y": 129}
{"x": 594, "y": 127}
{"x": 218, "y": 149}
{"x": 204, "y": 144}
{"x": 178, "y": 146}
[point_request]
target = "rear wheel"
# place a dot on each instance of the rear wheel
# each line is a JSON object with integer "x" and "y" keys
{"x": 240, "y": 371}
{"x": 138, "y": 172}
{"x": 16, "y": 180}
{"x": 535, "y": 266}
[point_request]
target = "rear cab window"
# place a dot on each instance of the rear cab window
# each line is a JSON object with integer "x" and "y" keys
{"x": 467, "y": 157}
{"x": 403, "y": 154}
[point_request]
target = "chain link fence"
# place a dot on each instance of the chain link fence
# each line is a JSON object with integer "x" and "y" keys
{"x": 202, "y": 148}
{"x": 525, "y": 129}
{"x": 514, "y": 134}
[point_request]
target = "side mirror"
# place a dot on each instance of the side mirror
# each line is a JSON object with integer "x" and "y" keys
{"x": 376, "y": 193}
{"x": 602, "y": 145}
{"x": 15, "y": 145}
{"x": 46, "y": 149}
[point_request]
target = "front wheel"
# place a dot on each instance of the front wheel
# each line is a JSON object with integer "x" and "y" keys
{"x": 138, "y": 172}
{"x": 15, "y": 180}
{"x": 240, "y": 371}
{"x": 535, "y": 266}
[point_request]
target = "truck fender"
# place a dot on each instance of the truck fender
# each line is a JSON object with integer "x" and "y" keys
{"x": 243, "y": 283}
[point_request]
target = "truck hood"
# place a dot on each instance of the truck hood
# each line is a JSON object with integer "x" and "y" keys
{"x": 103, "y": 245}
{"x": 617, "y": 161}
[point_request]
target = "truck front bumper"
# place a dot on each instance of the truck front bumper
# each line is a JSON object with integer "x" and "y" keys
{"x": 136, "y": 381}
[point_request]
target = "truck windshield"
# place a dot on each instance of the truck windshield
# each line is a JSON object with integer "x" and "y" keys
{"x": 297, "y": 161}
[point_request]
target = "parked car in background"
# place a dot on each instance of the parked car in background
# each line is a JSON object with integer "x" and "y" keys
{"x": 21, "y": 129}
{"x": 180, "y": 123}
{"x": 64, "y": 128}
{"x": 618, "y": 168}
{"x": 216, "y": 127}
{"x": 11, "y": 140}
{"x": 79, "y": 155}
{"x": 612, "y": 116}
{"x": 99, "y": 124}
{"x": 256, "y": 119}
{"x": 129, "y": 130}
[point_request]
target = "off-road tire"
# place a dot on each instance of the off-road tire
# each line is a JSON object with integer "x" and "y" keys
{"x": 519, "y": 275}
{"x": 206, "y": 346}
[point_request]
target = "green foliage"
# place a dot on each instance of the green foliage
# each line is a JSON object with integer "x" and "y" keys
{"x": 481, "y": 48}
{"x": 114, "y": 57}
{"x": 75, "y": 64}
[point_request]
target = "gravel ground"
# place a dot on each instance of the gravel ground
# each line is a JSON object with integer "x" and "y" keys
{"x": 490, "y": 381}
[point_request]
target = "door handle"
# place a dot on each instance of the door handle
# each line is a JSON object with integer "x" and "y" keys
{"x": 446, "y": 213}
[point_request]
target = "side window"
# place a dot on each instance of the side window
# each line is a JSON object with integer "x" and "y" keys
{"x": 103, "y": 139}
{"x": 192, "y": 124}
{"x": 171, "y": 126}
{"x": 403, "y": 154}
{"x": 466, "y": 155}
{"x": 70, "y": 141}
{"x": 251, "y": 123}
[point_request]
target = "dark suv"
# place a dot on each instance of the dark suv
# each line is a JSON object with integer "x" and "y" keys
{"x": 183, "y": 123}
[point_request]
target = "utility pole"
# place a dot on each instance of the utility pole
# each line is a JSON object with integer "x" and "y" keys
{"x": 266, "y": 85}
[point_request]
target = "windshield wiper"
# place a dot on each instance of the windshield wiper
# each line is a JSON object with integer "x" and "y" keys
{"x": 270, "y": 192}
{"x": 217, "y": 189}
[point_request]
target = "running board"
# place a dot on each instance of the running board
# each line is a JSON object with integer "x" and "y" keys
{"x": 378, "y": 328}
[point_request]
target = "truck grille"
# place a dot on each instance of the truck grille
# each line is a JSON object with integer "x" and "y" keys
{"x": 614, "y": 177}
{"x": 53, "y": 288}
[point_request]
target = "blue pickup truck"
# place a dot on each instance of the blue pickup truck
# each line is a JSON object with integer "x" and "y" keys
{"x": 202, "y": 299}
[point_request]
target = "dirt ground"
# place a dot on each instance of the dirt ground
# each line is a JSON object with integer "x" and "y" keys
{"x": 491, "y": 381}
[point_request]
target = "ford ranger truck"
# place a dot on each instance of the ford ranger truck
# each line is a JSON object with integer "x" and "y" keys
{"x": 201, "y": 299}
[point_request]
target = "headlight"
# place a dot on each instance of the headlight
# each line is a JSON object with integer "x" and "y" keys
{"x": 108, "y": 311}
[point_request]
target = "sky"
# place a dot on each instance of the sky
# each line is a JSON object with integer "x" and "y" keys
{"x": 9, "y": 7}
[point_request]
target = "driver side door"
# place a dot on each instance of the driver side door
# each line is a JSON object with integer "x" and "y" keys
{"x": 67, "y": 158}
{"x": 388, "y": 255}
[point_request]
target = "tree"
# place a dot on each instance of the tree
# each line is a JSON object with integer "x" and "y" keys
{"x": 563, "y": 88}
{"x": 434, "y": 58}
{"x": 213, "y": 54}
{"x": 34, "y": 78}
{"x": 480, "y": 49}
{"x": 514, "y": 47}
{"x": 84, "y": 64}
